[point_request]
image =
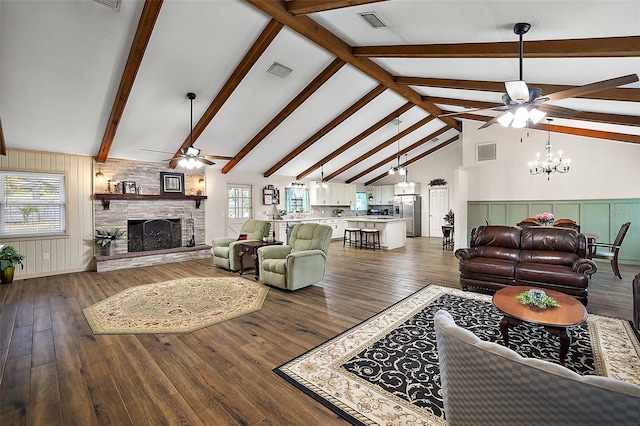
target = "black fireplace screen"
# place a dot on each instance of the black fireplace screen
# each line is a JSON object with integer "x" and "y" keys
{"x": 155, "y": 234}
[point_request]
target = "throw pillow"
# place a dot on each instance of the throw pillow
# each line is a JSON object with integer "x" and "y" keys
{"x": 242, "y": 237}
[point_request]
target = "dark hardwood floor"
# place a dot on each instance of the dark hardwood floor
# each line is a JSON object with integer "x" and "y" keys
{"x": 56, "y": 372}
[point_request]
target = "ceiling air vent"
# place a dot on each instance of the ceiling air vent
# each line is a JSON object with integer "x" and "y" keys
{"x": 113, "y": 4}
{"x": 486, "y": 152}
{"x": 373, "y": 20}
{"x": 279, "y": 70}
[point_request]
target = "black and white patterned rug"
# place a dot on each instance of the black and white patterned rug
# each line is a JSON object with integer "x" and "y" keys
{"x": 385, "y": 370}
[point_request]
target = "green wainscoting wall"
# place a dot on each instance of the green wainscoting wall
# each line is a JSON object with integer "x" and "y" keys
{"x": 600, "y": 217}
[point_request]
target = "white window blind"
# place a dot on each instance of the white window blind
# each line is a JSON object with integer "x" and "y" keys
{"x": 32, "y": 203}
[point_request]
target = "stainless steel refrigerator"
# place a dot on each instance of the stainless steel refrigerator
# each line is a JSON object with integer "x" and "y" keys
{"x": 409, "y": 207}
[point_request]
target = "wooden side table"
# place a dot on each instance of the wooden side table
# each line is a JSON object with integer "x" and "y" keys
{"x": 251, "y": 247}
{"x": 555, "y": 320}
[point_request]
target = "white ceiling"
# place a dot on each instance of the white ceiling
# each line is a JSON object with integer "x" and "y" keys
{"x": 61, "y": 62}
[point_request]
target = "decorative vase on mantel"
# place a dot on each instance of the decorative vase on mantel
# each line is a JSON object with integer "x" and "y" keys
{"x": 111, "y": 249}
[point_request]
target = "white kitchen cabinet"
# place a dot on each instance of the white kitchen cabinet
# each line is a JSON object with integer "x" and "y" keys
{"x": 407, "y": 190}
{"x": 383, "y": 195}
{"x": 336, "y": 194}
{"x": 337, "y": 227}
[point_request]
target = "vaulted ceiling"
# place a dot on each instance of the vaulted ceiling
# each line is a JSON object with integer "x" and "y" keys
{"x": 84, "y": 78}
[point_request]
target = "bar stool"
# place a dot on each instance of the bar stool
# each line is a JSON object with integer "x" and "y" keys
{"x": 375, "y": 238}
{"x": 351, "y": 236}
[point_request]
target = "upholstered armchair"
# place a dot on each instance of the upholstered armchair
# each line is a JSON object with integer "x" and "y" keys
{"x": 226, "y": 250}
{"x": 299, "y": 264}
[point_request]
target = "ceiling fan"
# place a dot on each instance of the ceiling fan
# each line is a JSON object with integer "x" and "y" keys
{"x": 523, "y": 104}
{"x": 190, "y": 156}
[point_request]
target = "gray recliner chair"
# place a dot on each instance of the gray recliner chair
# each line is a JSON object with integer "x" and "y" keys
{"x": 226, "y": 250}
{"x": 299, "y": 264}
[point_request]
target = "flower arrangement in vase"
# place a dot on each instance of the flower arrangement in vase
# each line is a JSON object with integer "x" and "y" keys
{"x": 545, "y": 218}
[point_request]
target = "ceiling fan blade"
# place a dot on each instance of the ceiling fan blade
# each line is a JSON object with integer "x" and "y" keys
{"x": 517, "y": 91}
{"x": 207, "y": 162}
{"x": 591, "y": 88}
{"x": 466, "y": 111}
{"x": 558, "y": 111}
{"x": 218, "y": 157}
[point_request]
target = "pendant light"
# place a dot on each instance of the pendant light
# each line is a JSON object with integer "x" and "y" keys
{"x": 549, "y": 164}
{"x": 323, "y": 183}
{"x": 398, "y": 168}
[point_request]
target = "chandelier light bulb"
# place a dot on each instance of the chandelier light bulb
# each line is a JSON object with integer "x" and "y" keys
{"x": 401, "y": 171}
{"x": 392, "y": 171}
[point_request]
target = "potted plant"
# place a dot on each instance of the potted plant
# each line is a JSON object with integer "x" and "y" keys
{"x": 9, "y": 257}
{"x": 108, "y": 237}
{"x": 449, "y": 217}
{"x": 437, "y": 182}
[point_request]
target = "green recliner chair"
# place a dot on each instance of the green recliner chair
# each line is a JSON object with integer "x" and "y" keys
{"x": 299, "y": 264}
{"x": 226, "y": 251}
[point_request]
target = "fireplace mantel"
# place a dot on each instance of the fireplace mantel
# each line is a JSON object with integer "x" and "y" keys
{"x": 106, "y": 198}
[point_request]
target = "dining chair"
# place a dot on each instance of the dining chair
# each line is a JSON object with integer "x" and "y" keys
{"x": 566, "y": 223}
{"x": 528, "y": 222}
{"x": 613, "y": 249}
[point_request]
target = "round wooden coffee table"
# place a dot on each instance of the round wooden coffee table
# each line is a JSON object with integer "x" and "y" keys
{"x": 555, "y": 320}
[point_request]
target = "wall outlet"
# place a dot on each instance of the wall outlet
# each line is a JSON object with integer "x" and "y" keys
{"x": 45, "y": 256}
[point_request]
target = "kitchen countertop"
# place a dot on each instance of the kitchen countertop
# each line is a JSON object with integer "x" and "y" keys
{"x": 369, "y": 218}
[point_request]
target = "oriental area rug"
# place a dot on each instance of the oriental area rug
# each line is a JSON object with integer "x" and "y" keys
{"x": 178, "y": 306}
{"x": 384, "y": 371}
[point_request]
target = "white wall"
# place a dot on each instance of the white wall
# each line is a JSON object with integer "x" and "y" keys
{"x": 599, "y": 168}
{"x": 216, "y": 190}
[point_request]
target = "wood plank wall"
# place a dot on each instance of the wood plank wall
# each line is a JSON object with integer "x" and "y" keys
{"x": 74, "y": 251}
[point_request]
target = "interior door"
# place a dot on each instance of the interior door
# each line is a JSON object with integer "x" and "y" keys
{"x": 239, "y": 208}
{"x": 438, "y": 207}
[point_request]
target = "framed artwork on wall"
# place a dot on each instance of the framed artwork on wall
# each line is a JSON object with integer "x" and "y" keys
{"x": 171, "y": 183}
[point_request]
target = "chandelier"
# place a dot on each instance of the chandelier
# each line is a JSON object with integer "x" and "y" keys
{"x": 549, "y": 164}
{"x": 401, "y": 170}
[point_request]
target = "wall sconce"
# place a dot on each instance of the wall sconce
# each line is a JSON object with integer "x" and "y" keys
{"x": 99, "y": 175}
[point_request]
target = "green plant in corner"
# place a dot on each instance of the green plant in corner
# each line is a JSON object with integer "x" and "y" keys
{"x": 105, "y": 237}
{"x": 449, "y": 217}
{"x": 9, "y": 257}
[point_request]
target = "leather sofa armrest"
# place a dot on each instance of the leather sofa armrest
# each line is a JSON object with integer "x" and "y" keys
{"x": 274, "y": 252}
{"x": 222, "y": 242}
{"x": 465, "y": 253}
{"x": 584, "y": 266}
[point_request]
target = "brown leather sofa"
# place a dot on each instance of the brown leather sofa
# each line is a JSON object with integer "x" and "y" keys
{"x": 544, "y": 257}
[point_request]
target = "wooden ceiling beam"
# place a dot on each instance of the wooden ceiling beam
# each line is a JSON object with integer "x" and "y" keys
{"x": 407, "y": 150}
{"x": 418, "y": 157}
{"x": 616, "y": 94}
{"x": 311, "y": 88}
{"x": 264, "y": 40}
{"x": 372, "y": 129}
{"x": 310, "y": 29}
{"x": 588, "y": 133}
{"x": 380, "y": 147}
{"x": 597, "y": 117}
{"x": 303, "y": 7}
{"x": 327, "y": 128}
{"x": 147, "y": 21}
{"x": 568, "y": 48}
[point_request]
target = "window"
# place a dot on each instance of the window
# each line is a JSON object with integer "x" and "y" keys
{"x": 239, "y": 202}
{"x": 32, "y": 203}
{"x": 296, "y": 200}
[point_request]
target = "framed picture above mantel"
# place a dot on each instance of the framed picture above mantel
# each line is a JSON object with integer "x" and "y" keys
{"x": 171, "y": 183}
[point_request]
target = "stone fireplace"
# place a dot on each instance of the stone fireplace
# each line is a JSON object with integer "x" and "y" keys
{"x": 153, "y": 234}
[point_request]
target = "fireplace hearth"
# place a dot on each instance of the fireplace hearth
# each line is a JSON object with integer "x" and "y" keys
{"x": 153, "y": 234}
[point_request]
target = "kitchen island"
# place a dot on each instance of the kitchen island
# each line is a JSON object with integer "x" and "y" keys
{"x": 393, "y": 230}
